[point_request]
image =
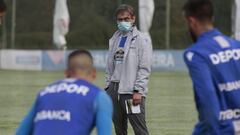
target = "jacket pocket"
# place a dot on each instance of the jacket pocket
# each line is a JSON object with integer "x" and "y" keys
{"x": 132, "y": 51}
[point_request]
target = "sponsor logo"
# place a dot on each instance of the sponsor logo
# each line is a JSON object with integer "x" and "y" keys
{"x": 230, "y": 86}
{"x": 61, "y": 115}
{"x": 230, "y": 114}
{"x": 100, "y": 59}
{"x": 64, "y": 87}
{"x": 56, "y": 56}
{"x": 161, "y": 60}
{"x": 189, "y": 56}
{"x": 28, "y": 60}
{"x": 222, "y": 42}
{"x": 225, "y": 56}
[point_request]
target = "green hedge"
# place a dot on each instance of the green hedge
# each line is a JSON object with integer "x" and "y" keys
{"x": 93, "y": 23}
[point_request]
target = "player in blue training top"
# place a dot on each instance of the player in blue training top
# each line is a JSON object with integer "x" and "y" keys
{"x": 72, "y": 106}
{"x": 214, "y": 65}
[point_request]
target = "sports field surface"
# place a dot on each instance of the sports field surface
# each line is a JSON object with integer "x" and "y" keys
{"x": 170, "y": 105}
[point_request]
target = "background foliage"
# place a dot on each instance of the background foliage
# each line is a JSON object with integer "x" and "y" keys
{"x": 93, "y": 23}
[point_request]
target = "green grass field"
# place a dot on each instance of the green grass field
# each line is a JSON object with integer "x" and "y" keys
{"x": 170, "y": 106}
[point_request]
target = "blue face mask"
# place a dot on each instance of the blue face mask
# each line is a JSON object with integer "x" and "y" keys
{"x": 124, "y": 26}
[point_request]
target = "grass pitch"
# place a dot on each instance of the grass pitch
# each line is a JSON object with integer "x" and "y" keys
{"x": 170, "y": 105}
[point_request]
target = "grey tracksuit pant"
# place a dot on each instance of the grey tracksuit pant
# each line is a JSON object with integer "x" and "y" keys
{"x": 120, "y": 116}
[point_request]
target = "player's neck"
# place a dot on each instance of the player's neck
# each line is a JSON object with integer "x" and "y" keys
{"x": 83, "y": 77}
{"x": 205, "y": 28}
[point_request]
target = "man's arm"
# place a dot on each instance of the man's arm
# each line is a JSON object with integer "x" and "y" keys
{"x": 144, "y": 67}
{"x": 104, "y": 110}
{"x": 204, "y": 90}
{"x": 27, "y": 124}
{"x": 107, "y": 74}
{"x": 108, "y": 66}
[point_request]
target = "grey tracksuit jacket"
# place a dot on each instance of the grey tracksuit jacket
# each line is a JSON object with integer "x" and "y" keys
{"x": 136, "y": 63}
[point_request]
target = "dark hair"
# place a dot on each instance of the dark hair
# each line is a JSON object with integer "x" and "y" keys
{"x": 80, "y": 52}
{"x": 199, "y": 9}
{"x": 3, "y": 6}
{"x": 125, "y": 8}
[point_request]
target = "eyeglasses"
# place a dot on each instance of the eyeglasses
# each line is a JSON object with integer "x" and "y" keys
{"x": 123, "y": 19}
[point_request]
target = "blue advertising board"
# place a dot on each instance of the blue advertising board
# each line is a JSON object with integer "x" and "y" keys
{"x": 170, "y": 60}
{"x": 162, "y": 60}
{"x": 54, "y": 60}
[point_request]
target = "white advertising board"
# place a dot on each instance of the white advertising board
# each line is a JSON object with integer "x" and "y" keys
{"x": 21, "y": 60}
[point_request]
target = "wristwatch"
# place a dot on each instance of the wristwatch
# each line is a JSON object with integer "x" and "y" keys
{"x": 136, "y": 91}
{"x": 106, "y": 88}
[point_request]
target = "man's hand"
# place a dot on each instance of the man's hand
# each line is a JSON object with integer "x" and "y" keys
{"x": 137, "y": 98}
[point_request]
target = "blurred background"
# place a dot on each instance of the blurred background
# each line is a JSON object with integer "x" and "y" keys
{"x": 92, "y": 23}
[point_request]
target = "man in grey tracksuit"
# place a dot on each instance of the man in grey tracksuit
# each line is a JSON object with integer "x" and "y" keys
{"x": 127, "y": 72}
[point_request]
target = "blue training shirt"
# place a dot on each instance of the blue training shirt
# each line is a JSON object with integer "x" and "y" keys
{"x": 71, "y": 107}
{"x": 214, "y": 66}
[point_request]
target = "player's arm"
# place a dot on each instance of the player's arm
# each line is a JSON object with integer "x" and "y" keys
{"x": 104, "y": 110}
{"x": 26, "y": 125}
{"x": 204, "y": 90}
{"x": 144, "y": 66}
